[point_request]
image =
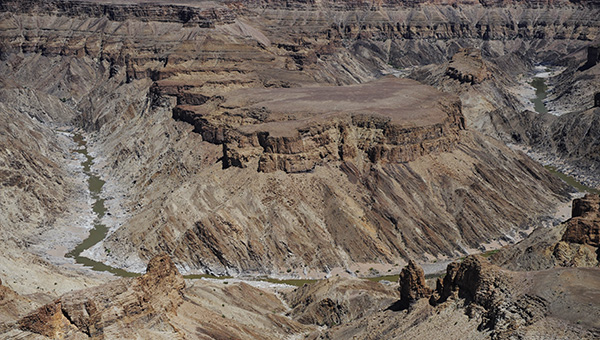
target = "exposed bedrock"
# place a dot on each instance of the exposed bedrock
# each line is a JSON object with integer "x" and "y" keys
{"x": 574, "y": 243}
{"x": 474, "y": 300}
{"x": 345, "y": 210}
{"x": 115, "y": 309}
{"x": 584, "y": 226}
{"x": 390, "y": 120}
{"x": 358, "y": 185}
{"x": 412, "y": 285}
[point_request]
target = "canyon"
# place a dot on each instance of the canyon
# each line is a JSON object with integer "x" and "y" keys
{"x": 297, "y": 140}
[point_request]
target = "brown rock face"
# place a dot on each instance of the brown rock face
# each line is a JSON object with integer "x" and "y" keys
{"x": 384, "y": 188}
{"x": 412, "y": 284}
{"x": 47, "y": 320}
{"x": 389, "y": 120}
{"x": 491, "y": 294}
{"x": 467, "y": 66}
{"x": 338, "y": 300}
{"x": 105, "y": 310}
{"x": 472, "y": 279}
{"x": 584, "y": 226}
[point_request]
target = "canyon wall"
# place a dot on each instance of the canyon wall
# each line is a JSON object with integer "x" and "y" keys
{"x": 354, "y": 188}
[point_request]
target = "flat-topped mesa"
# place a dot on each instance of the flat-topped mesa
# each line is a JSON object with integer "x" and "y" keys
{"x": 467, "y": 66}
{"x": 295, "y": 129}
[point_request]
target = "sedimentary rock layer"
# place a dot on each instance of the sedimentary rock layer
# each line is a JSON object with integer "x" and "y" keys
{"x": 390, "y": 120}
{"x": 373, "y": 190}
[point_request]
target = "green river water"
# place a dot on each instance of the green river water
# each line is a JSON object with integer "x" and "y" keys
{"x": 540, "y": 94}
{"x": 99, "y": 231}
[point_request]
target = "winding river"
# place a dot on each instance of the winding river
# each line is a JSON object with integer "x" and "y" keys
{"x": 541, "y": 89}
{"x": 99, "y": 231}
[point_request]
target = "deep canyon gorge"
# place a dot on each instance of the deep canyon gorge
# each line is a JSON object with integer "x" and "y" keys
{"x": 221, "y": 152}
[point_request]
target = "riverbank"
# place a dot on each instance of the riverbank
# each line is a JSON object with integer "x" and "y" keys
{"x": 72, "y": 226}
{"x": 532, "y": 89}
{"x": 534, "y": 92}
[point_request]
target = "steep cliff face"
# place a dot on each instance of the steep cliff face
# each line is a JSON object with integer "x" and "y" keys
{"x": 261, "y": 186}
{"x": 565, "y": 138}
{"x": 346, "y": 210}
{"x": 573, "y": 138}
{"x": 358, "y": 184}
{"x": 294, "y": 130}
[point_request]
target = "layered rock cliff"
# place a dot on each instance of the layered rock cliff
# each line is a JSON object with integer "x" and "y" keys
{"x": 294, "y": 130}
{"x": 283, "y": 170}
{"x": 355, "y": 187}
{"x": 116, "y": 309}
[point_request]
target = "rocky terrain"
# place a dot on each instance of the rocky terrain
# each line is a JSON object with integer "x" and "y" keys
{"x": 332, "y": 187}
{"x": 494, "y": 103}
{"x": 264, "y": 138}
{"x": 129, "y": 80}
{"x": 474, "y": 300}
{"x": 157, "y": 305}
{"x": 573, "y": 243}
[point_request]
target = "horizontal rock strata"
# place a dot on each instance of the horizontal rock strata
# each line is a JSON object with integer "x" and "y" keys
{"x": 299, "y": 190}
{"x": 390, "y": 120}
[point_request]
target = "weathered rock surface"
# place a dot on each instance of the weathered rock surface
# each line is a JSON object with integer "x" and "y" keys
{"x": 584, "y": 225}
{"x": 12, "y": 307}
{"x": 354, "y": 187}
{"x": 121, "y": 308}
{"x": 412, "y": 284}
{"x": 390, "y": 120}
{"x": 336, "y": 301}
{"x": 243, "y": 222}
{"x": 126, "y": 76}
{"x": 477, "y": 300}
{"x": 158, "y": 305}
{"x": 488, "y": 291}
{"x": 467, "y": 66}
{"x": 571, "y": 244}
